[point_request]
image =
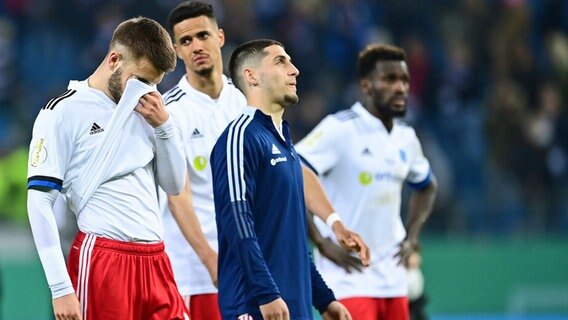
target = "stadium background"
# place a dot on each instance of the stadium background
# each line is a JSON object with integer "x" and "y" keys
{"x": 489, "y": 92}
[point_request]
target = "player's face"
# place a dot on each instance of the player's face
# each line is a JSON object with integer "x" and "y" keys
{"x": 389, "y": 88}
{"x": 198, "y": 43}
{"x": 142, "y": 69}
{"x": 278, "y": 76}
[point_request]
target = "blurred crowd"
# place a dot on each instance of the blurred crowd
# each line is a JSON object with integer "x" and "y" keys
{"x": 489, "y": 86}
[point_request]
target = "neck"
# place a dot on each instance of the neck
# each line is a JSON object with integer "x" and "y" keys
{"x": 210, "y": 84}
{"x": 97, "y": 80}
{"x": 387, "y": 121}
{"x": 274, "y": 110}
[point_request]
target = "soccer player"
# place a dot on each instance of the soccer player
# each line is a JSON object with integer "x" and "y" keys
{"x": 364, "y": 155}
{"x": 103, "y": 144}
{"x": 203, "y": 103}
{"x": 265, "y": 270}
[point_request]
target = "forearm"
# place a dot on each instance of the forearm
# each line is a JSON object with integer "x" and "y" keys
{"x": 313, "y": 232}
{"x": 170, "y": 158}
{"x": 419, "y": 209}
{"x": 46, "y": 239}
{"x": 316, "y": 199}
{"x": 181, "y": 207}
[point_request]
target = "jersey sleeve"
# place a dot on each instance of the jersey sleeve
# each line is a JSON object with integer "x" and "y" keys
{"x": 50, "y": 149}
{"x": 234, "y": 162}
{"x": 320, "y": 148}
{"x": 420, "y": 173}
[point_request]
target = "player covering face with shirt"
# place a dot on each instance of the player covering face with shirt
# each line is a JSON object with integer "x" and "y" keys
{"x": 103, "y": 145}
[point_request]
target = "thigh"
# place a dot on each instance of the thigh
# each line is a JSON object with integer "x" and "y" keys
{"x": 204, "y": 307}
{"x": 396, "y": 308}
{"x": 103, "y": 282}
{"x": 361, "y": 308}
{"x": 163, "y": 300}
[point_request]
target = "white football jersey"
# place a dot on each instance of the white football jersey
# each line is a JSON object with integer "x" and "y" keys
{"x": 66, "y": 134}
{"x": 362, "y": 168}
{"x": 201, "y": 120}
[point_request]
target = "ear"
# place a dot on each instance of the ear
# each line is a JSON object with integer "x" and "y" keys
{"x": 250, "y": 77}
{"x": 365, "y": 85}
{"x": 178, "y": 53}
{"x": 113, "y": 60}
{"x": 221, "y": 38}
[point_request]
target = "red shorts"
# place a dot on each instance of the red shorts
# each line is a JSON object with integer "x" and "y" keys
{"x": 123, "y": 280}
{"x": 203, "y": 307}
{"x": 377, "y": 308}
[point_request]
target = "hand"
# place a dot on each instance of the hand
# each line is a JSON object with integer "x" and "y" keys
{"x": 210, "y": 262}
{"x": 336, "y": 311}
{"x": 352, "y": 241}
{"x": 67, "y": 307}
{"x": 339, "y": 255}
{"x": 151, "y": 107}
{"x": 405, "y": 249}
{"x": 275, "y": 310}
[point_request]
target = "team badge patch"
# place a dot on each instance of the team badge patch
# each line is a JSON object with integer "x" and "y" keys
{"x": 402, "y": 155}
{"x": 39, "y": 154}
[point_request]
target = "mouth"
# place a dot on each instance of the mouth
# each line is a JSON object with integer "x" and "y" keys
{"x": 200, "y": 59}
{"x": 399, "y": 102}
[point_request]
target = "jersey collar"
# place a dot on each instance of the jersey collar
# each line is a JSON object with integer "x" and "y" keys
{"x": 199, "y": 97}
{"x": 267, "y": 122}
{"x": 370, "y": 120}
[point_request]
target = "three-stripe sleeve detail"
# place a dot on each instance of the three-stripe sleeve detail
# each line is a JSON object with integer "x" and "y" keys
{"x": 235, "y": 175}
{"x": 53, "y": 102}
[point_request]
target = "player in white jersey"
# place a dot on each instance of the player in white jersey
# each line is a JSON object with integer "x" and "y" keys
{"x": 364, "y": 156}
{"x": 103, "y": 145}
{"x": 203, "y": 103}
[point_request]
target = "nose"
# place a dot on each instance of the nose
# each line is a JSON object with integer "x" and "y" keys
{"x": 197, "y": 45}
{"x": 402, "y": 85}
{"x": 293, "y": 70}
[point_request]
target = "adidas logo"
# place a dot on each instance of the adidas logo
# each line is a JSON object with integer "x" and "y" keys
{"x": 196, "y": 134}
{"x": 95, "y": 128}
{"x": 366, "y": 152}
{"x": 275, "y": 150}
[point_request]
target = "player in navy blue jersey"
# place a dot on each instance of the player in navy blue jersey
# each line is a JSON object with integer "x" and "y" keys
{"x": 265, "y": 269}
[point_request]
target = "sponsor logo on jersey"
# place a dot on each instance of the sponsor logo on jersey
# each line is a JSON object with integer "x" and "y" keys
{"x": 95, "y": 128}
{"x": 39, "y": 154}
{"x": 196, "y": 134}
{"x": 366, "y": 177}
{"x": 199, "y": 163}
{"x": 275, "y": 161}
{"x": 275, "y": 150}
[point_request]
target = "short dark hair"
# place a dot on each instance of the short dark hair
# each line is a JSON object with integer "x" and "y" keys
{"x": 146, "y": 38}
{"x": 374, "y": 53}
{"x": 188, "y": 10}
{"x": 251, "y": 50}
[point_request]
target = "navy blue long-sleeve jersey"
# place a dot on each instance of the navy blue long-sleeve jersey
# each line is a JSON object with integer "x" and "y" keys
{"x": 261, "y": 221}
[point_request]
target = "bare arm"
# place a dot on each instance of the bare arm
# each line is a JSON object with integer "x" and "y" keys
{"x": 337, "y": 254}
{"x": 182, "y": 209}
{"x": 318, "y": 203}
{"x": 420, "y": 207}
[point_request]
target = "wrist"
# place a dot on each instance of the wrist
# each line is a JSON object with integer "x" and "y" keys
{"x": 165, "y": 130}
{"x": 331, "y": 219}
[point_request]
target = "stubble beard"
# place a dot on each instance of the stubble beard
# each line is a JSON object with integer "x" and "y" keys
{"x": 289, "y": 100}
{"x": 114, "y": 85}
